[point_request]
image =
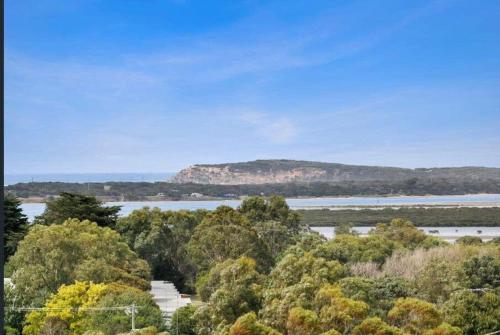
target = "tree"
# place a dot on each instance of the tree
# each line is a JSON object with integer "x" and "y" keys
{"x": 350, "y": 248}
{"x": 345, "y": 229}
{"x": 13, "y": 318}
{"x": 302, "y": 322}
{"x": 375, "y": 326}
{"x": 15, "y": 225}
{"x": 402, "y": 232}
{"x": 294, "y": 282}
{"x": 64, "y": 304}
{"x": 444, "y": 329}
{"x": 183, "y": 321}
{"x": 224, "y": 234}
{"x": 481, "y": 272}
{"x": 474, "y": 312}
{"x": 160, "y": 238}
{"x": 274, "y": 208}
{"x": 380, "y": 294}
{"x": 336, "y": 311}
{"x": 436, "y": 280}
{"x": 50, "y": 256}
{"x": 71, "y": 310}
{"x": 414, "y": 316}
{"x": 78, "y": 206}
{"x": 112, "y": 322}
{"x": 237, "y": 291}
{"x": 469, "y": 240}
{"x": 248, "y": 325}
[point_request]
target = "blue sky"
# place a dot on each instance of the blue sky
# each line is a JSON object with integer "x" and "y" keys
{"x": 156, "y": 85}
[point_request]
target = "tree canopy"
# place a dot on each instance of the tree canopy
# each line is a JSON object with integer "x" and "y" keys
{"x": 15, "y": 225}
{"x": 78, "y": 206}
{"x": 50, "y": 256}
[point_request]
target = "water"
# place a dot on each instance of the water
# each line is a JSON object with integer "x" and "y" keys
{"x": 33, "y": 209}
{"x": 447, "y": 233}
{"x": 11, "y": 179}
{"x": 390, "y": 201}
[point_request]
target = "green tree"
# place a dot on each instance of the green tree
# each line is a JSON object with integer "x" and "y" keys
{"x": 345, "y": 229}
{"x": 350, "y": 248}
{"x": 481, "y": 272}
{"x": 337, "y": 312}
{"x": 15, "y": 225}
{"x": 224, "y": 234}
{"x": 274, "y": 208}
{"x": 249, "y": 325}
{"x": 112, "y": 322}
{"x": 415, "y": 316}
{"x": 375, "y": 326}
{"x": 444, "y": 329}
{"x": 183, "y": 321}
{"x": 160, "y": 238}
{"x": 70, "y": 310}
{"x": 402, "y": 232}
{"x": 13, "y": 319}
{"x": 294, "y": 282}
{"x": 50, "y": 256}
{"x": 469, "y": 240}
{"x": 475, "y": 312}
{"x": 78, "y": 206}
{"x": 238, "y": 291}
{"x": 302, "y": 322}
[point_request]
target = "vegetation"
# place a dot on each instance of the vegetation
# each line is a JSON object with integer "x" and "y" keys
{"x": 132, "y": 191}
{"x": 15, "y": 225}
{"x": 83, "y": 296}
{"x": 258, "y": 271}
{"x": 77, "y": 206}
{"x": 320, "y": 171}
{"x": 50, "y": 256}
{"x": 420, "y": 216}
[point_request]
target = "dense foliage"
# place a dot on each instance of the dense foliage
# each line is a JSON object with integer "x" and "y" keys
{"x": 420, "y": 216}
{"x": 77, "y": 206}
{"x": 15, "y": 225}
{"x": 50, "y": 256}
{"x": 83, "y": 297}
{"x": 258, "y": 270}
{"x": 142, "y": 190}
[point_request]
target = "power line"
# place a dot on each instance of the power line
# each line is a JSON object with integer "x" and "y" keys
{"x": 132, "y": 309}
{"x": 70, "y": 308}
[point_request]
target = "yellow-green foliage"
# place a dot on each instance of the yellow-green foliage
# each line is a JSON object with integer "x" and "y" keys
{"x": 415, "y": 316}
{"x": 375, "y": 326}
{"x": 71, "y": 301}
{"x": 247, "y": 324}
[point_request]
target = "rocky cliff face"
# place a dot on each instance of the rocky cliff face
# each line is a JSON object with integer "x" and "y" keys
{"x": 226, "y": 176}
{"x": 285, "y": 171}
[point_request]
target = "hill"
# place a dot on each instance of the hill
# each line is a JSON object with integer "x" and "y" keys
{"x": 293, "y": 171}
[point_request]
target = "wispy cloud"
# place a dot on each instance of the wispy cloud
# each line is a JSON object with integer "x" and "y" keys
{"x": 277, "y": 130}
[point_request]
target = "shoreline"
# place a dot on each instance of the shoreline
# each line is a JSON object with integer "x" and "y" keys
{"x": 43, "y": 200}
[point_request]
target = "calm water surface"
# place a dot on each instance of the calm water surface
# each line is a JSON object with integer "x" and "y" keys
{"x": 33, "y": 209}
{"x": 448, "y": 233}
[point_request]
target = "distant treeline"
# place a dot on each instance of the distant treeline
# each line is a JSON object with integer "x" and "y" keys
{"x": 424, "y": 217}
{"x": 142, "y": 190}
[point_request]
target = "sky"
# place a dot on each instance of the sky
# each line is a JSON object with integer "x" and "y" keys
{"x": 158, "y": 85}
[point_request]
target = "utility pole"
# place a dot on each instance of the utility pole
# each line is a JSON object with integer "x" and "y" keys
{"x": 133, "y": 317}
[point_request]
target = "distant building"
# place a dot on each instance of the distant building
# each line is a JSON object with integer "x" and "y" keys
{"x": 160, "y": 194}
{"x": 107, "y": 188}
{"x": 196, "y": 195}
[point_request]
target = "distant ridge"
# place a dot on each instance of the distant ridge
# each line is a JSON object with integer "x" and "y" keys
{"x": 286, "y": 171}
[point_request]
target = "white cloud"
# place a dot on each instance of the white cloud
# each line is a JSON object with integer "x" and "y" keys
{"x": 279, "y": 130}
